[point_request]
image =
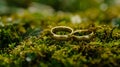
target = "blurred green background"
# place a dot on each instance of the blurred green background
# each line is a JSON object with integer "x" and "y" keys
{"x": 10, "y": 6}
{"x": 104, "y": 11}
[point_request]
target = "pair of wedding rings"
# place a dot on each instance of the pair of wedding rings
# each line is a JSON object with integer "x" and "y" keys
{"x": 65, "y": 33}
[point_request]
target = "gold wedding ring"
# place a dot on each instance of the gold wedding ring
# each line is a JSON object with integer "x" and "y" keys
{"x": 56, "y": 29}
{"x": 78, "y": 34}
{"x": 87, "y": 35}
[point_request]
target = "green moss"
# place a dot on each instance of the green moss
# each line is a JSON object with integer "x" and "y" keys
{"x": 30, "y": 44}
{"x": 82, "y": 33}
{"x": 62, "y": 33}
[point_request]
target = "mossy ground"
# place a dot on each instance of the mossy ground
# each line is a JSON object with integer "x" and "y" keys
{"x": 26, "y": 41}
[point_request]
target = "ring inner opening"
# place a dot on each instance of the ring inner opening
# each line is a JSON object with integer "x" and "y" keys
{"x": 82, "y": 33}
{"x": 62, "y": 31}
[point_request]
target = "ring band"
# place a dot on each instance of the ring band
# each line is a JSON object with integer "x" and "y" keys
{"x": 61, "y": 28}
{"x": 86, "y": 36}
